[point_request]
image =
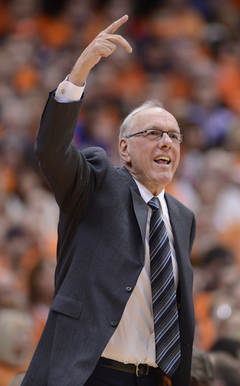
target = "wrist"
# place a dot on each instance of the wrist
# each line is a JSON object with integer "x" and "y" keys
{"x": 76, "y": 80}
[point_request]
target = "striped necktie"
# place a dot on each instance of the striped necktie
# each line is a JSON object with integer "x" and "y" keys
{"x": 165, "y": 313}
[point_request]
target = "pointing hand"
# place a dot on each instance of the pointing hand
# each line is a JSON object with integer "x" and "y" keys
{"x": 102, "y": 46}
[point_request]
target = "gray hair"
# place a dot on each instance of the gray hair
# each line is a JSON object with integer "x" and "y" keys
{"x": 126, "y": 126}
{"x": 202, "y": 368}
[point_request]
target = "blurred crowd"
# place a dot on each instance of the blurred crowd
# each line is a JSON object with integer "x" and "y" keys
{"x": 186, "y": 53}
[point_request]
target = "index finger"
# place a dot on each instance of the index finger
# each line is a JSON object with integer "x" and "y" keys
{"x": 116, "y": 24}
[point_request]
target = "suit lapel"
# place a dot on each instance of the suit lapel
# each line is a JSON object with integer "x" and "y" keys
{"x": 139, "y": 205}
{"x": 179, "y": 234}
{"x": 173, "y": 213}
{"x": 141, "y": 211}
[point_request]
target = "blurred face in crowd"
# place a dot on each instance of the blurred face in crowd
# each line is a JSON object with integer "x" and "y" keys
{"x": 150, "y": 159}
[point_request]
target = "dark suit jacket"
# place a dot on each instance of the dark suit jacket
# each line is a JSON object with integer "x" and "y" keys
{"x": 100, "y": 254}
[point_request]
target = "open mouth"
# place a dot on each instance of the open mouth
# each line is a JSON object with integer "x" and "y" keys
{"x": 162, "y": 160}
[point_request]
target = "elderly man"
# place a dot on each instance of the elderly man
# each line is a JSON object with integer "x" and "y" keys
{"x": 122, "y": 313}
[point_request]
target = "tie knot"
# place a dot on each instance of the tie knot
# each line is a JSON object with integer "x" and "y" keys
{"x": 154, "y": 203}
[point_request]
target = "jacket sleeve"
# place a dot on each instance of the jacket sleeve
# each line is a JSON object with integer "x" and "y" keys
{"x": 64, "y": 166}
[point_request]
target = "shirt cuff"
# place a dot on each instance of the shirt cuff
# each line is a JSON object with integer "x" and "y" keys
{"x": 68, "y": 92}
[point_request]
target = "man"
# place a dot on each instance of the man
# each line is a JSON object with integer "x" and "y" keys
{"x": 100, "y": 329}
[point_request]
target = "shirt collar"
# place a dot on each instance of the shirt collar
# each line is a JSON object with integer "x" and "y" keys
{"x": 147, "y": 195}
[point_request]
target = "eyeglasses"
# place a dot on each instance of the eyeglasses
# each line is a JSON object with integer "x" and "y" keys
{"x": 157, "y": 134}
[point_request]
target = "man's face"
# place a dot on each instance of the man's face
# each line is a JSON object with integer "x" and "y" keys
{"x": 152, "y": 163}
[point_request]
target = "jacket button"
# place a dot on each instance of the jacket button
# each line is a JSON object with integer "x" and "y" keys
{"x": 114, "y": 323}
{"x": 128, "y": 288}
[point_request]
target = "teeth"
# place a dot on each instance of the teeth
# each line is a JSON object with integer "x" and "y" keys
{"x": 162, "y": 158}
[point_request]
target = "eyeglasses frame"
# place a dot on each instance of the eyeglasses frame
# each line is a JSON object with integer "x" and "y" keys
{"x": 162, "y": 131}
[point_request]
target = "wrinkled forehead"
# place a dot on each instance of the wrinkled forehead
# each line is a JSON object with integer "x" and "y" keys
{"x": 155, "y": 117}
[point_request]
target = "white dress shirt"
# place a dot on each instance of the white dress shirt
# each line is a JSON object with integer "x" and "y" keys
{"x": 133, "y": 340}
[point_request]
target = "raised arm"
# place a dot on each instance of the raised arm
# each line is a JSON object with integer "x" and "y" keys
{"x": 65, "y": 168}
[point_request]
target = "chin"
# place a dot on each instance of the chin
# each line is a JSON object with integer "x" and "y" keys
{"x": 165, "y": 180}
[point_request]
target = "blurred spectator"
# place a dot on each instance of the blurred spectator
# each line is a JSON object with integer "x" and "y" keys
{"x": 41, "y": 289}
{"x": 226, "y": 369}
{"x": 186, "y": 54}
{"x": 230, "y": 346}
{"x": 214, "y": 280}
{"x": 202, "y": 368}
{"x": 11, "y": 293}
{"x": 16, "y": 346}
{"x": 215, "y": 262}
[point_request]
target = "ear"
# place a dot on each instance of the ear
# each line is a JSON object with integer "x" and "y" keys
{"x": 124, "y": 150}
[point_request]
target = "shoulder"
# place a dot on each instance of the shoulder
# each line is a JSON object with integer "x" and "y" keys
{"x": 101, "y": 168}
{"x": 173, "y": 203}
{"x": 97, "y": 160}
{"x": 95, "y": 155}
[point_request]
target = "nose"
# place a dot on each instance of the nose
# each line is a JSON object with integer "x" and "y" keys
{"x": 165, "y": 141}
